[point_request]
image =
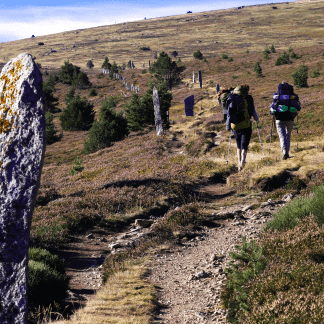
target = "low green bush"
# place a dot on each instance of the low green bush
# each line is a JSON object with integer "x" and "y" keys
{"x": 47, "y": 279}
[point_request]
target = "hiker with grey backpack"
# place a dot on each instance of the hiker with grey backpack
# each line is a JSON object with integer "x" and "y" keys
{"x": 284, "y": 108}
{"x": 240, "y": 108}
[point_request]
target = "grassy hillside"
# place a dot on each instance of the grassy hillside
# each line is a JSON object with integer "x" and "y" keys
{"x": 144, "y": 174}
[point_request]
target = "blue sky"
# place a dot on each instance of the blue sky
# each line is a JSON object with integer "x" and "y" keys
{"x": 21, "y": 19}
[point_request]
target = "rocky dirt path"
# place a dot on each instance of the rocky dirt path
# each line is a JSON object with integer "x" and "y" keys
{"x": 190, "y": 278}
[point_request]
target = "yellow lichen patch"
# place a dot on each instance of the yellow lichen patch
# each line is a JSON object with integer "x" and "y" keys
{"x": 8, "y": 96}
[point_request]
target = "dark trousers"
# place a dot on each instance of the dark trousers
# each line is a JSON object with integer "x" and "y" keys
{"x": 243, "y": 137}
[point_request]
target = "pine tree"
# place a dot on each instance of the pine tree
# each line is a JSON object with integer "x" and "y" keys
{"x": 166, "y": 69}
{"x": 106, "y": 65}
{"x": 51, "y": 132}
{"x": 77, "y": 115}
{"x": 272, "y": 49}
{"x": 198, "y": 55}
{"x": 90, "y": 64}
{"x": 300, "y": 77}
{"x": 110, "y": 127}
{"x": 49, "y": 101}
{"x": 140, "y": 111}
{"x": 257, "y": 69}
{"x": 69, "y": 95}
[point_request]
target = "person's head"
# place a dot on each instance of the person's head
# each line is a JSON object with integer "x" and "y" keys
{"x": 242, "y": 90}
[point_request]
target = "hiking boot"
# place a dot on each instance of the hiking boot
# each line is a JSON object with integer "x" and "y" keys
{"x": 285, "y": 155}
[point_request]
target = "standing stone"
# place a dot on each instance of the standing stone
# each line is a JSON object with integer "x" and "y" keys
{"x": 157, "y": 113}
{"x": 22, "y": 146}
{"x": 193, "y": 77}
{"x": 189, "y": 105}
{"x": 200, "y": 79}
{"x": 149, "y": 64}
{"x": 143, "y": 65}
{"x": 217, "y": 88}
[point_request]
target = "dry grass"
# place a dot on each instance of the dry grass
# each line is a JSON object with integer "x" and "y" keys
{"x": 126, "y": 298}
{"x": 143, "y": 172}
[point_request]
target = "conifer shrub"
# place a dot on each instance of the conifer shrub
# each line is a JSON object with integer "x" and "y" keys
{"x": 93, "y": 92}
{"x": 258, "y": 69}
{"x": 198, "y": 55}
{"x": 49, "y": 101}
{"x": 47, "y": 279}
{"x": 283, "y": 59}
{"x": 300, "y": 77}
{"x": 90, "y": 64}
{"x": 72, "y": 75}
{"x": 230, "y": 59}
{"x": 70, "y": 95}
{"x": 139, "y": 112}
{"x": 247, "y": 263}
{"x": 316, "y": 73}
{"x": 77, "y": 115}
{"x": 224, "y": 56}
{"x": 272, "y": 49}
{"x": 111, "y": 127}
{"x": 77, "y": 167}
{"x": 106, "y": 65}
{"x": 51, "y": 132}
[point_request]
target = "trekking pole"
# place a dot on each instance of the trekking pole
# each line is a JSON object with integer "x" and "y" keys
{"x": 229, "y": 147}
{"x": 297, "y": 132}
{"x": 272, "y": 124}
{"x": 259, "y": 137}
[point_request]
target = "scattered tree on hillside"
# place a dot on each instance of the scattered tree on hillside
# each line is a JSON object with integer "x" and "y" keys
{"x": 166, "y": 69}
{"x": 301, "y": 76}
{"x": 49, "y": 101}
{"x": 140, "y": 111}
{"x": 70, "y": 95}
{"x": 316, "y": 73}
{"x": 77, "y": 115}
{"x": 92, "y": 92}
{"x": 106, "y": 65}
{"x": 51, "y": 132}
{"x": 174, "y": 53}
{"x": 90, "y": 64}
{"x": 198, "y": 55}
{"x": 113, "y": 69}
{"x": 110, "y": 127}
{"x": 283, "y": 59}
{"x": 257, "y": 69}
{"x": 272, "y": 49}
{"x": 72, "y": 75}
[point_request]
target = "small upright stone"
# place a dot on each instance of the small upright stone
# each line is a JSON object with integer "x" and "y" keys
{"x": 200, "y": 79}
{"x": 193, "y": 77}
{"x": 189, "y": 105}
{"x": 22, "y": 147}
{"x": 157, "y": 113}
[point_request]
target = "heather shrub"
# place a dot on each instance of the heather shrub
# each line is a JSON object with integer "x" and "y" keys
{"x": 47, "y": 279}
{"x": 290, "y": 289}
{"x": 300, "y": 77}
{"x": 77, "y": 115}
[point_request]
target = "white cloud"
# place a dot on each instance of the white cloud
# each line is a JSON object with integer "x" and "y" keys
{"x": 22, "y": 22}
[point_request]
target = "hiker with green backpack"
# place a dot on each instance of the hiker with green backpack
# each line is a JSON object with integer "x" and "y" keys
{"x": 284, "y": 108}
{"x": 240, "y": 108}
